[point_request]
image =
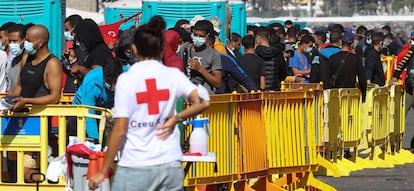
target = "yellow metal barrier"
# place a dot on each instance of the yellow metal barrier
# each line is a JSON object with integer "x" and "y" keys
{"x": 223, "y": 141}
{"x": 290, "y": 129}
{"x": 397, "y": 124}
{"x": 36, "y": 121}
{"x": 377, "y": 129}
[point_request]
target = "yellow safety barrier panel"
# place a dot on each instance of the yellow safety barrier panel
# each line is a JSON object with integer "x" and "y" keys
{"x": 291, "y": 145}
{"x": 377, "y": 127}
{"x": 252, "y": 136}
{"x": 28, "y": 131}
{"x": 317, "y": 88}
{"x": 223, "y": 115}
{"x": 397, "y": 125}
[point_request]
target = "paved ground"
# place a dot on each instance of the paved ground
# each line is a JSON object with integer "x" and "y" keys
{"x": 397, "y": 178}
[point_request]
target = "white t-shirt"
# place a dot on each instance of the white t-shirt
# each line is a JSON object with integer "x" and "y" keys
{"x": 146, "y": 95}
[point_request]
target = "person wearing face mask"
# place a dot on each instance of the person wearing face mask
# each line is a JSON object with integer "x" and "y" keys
{"x": 299, "y": 63}
{"x": 70, "y": 83}
{"x": 204, "y": 63}
{"x": 39, "y": 84}
{"x": 373, "y": 64}
{"x": 89, "y": 39}
{"x": 233, "y": 47}
{"x": 4, "y": 35}
{"x": 123, "y": 51}
{"x": 17, "y": 56}
{"x": 388, "y": 48}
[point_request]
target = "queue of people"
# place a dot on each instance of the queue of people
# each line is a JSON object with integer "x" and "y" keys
{"x": 150, "y": 67}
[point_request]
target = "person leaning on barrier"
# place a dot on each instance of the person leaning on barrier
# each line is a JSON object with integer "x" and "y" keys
{"x": 345, "y": 67}
{"x": 145, "y": 125}
{"x": 39, "y": 83}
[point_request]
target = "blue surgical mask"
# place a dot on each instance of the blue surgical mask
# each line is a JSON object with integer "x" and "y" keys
{"x": 198, "y": 41}
{"x": 28, "y": 46}
{"x": 369, "y": 41}
{"x": 68, "y": 36}
{"x": 308, "y": 49}
{"x": 15, "y": 49}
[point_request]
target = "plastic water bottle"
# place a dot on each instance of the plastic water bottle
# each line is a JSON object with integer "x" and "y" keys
{"x": 199, "y": 138}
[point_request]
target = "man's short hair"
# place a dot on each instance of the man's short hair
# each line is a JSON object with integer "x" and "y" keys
{"x": 377, "y": 37}
{"x": 321, "y": 35}
{"x": 262, "y": 32}
{"x": 306, "y": 39}
{"x": 19, "y": 28}
{"x": 288, "y": 22}
{"x": 386, "y": 27}
{"x": 235, "y": 37}
{"x": 335, "y": 36}
{"x": 73, "y": 20}
{"x": 204, "y": 25}
{"x": 248, "y": 41}
{"x": 6, "y": 26}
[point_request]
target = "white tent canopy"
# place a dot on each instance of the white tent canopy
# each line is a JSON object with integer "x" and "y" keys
{"x": 97, "y": 17}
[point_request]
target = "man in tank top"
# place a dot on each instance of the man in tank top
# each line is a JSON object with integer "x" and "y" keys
{"x": 39, "y": 83}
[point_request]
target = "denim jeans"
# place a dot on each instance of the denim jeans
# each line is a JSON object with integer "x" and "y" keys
{"x": 163, "y": 177}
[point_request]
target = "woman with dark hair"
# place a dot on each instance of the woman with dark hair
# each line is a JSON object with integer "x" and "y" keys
{"x": 89, "y": 38}
{"x": 145, "y": 118}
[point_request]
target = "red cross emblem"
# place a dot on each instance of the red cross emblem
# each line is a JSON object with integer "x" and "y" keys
{"x": 152, "y": 96}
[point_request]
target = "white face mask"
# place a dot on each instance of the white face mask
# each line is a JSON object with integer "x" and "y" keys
{"x": 68, "y": 36}
{"x": 412, "y": 43}
{"x": 15, "y": 49}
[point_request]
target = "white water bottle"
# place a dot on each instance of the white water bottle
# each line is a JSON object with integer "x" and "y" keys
{"x": 199, "y": 138}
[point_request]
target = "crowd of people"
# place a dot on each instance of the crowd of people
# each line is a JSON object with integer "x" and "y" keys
{"x": 148, "y": 68}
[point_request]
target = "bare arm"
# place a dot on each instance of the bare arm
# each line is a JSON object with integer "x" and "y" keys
{"x": 262, "y": 82}
{"x": 53, "y": 81}
{"x": 298, "y": 72}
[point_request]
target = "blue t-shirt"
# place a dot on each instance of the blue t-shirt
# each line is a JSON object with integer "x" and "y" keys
{"x": 300, "y": 62}
{"x": 91, "y": 92}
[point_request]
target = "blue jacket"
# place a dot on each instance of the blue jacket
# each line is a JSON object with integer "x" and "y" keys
{"x": 91, "y": 92}
{"x": 232, "y": 69}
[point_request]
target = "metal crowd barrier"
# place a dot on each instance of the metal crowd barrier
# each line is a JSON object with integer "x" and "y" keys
{"x": 28, "y": 132}
{"x": 291, "y": 131}
{"x": 224, "y": 140}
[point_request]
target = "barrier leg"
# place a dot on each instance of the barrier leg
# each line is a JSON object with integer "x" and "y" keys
{"x": 328, "y": 166}
{"x": 264, "y": 184}
{"x": 310, "y": 180}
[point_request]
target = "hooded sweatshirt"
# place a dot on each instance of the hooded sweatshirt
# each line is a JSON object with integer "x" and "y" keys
{"x": 88, "y": 35}
{"x": 276, "y": 70}
{"x": 170, "y": 57}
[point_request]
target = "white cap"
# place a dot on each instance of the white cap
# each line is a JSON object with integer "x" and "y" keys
{"x": 195, "y": 19}
{"x": 216, "y": 23}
